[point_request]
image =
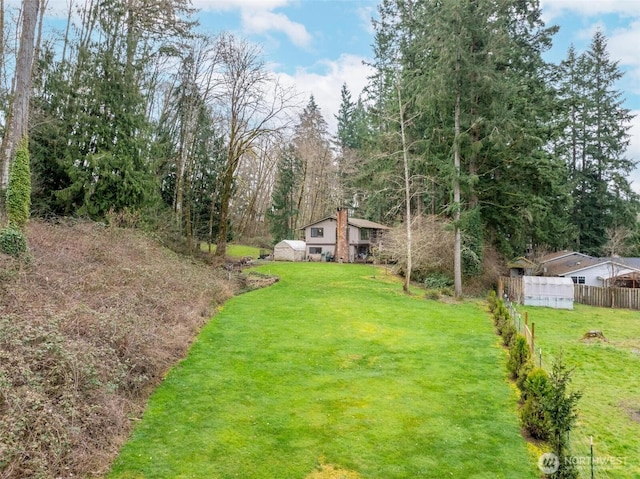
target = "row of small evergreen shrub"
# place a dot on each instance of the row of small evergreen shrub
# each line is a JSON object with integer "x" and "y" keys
{"x": 502, "y": 320}
{"x": 547, "y": 408}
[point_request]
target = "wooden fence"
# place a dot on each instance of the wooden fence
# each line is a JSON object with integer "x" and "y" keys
{"x": 512, "y": 287}
{"x": 621, "y": 298}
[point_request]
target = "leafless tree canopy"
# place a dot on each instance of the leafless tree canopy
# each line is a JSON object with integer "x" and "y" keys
{"x": 432, "y": 248}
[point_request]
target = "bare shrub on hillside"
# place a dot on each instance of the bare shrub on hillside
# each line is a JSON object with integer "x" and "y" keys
{"x": 432, "y": 249}
{"x": 87, "y": 329}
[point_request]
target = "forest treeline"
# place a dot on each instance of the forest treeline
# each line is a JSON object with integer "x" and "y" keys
{"x": 135, "y": 115}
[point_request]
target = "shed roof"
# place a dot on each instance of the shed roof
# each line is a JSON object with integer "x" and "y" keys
{"x": 295, "y": 244}
{"x": 521, "y": 262}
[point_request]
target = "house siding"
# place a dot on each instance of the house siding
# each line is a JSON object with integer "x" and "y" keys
{"x": 593, "y": 275}
{"x": 327, "y": 244}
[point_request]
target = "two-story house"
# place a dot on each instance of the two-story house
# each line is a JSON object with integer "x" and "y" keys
{"x": 323, "y": 238}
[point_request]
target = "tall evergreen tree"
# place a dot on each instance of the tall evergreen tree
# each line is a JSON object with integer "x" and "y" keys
{"x": 346, "y": 134}
{"x": 479, "y": 101}
{"x": 317, "y": 194}
{"x": 283, "y": 211}
{"x": 350, "y": 138}
{"x": 595, "y": 135}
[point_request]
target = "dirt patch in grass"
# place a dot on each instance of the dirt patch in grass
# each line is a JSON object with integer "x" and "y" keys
{"x": 329, "y": 471}
{"x": 632, "y": 409}
{"x": 88, "y": 327}
{"x": 251, "y": 280}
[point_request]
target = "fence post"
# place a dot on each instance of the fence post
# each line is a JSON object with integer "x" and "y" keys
{"x": 533, "y": 337}
{"x": 540, "y": 357}
{"x": 500, "y": 288}
{"x": 591, "y": 450}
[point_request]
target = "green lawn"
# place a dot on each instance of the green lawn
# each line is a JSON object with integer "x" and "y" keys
{"x": 235, "y": 250}
{"x": 334, "y": 365}
{"x": 607, "y": 373}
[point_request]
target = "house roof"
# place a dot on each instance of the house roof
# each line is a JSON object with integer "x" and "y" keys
{"x": 561, "y": 255}
{"x": 630, "y": 262}
{"x": 357, "y": 222}
{"x": 571, "y": 266}
{"x": 360, "y": 223}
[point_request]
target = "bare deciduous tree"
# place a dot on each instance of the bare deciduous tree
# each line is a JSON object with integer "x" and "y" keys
{"x": 250, "y": 102}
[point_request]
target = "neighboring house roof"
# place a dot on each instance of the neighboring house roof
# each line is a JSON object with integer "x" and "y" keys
{"x": 357, "y": 222}
{"x": 573, "y": 267}
{"x": 295, "y": 244}
{"x": 559, "y": 255}
{"x": 630, "y": 262}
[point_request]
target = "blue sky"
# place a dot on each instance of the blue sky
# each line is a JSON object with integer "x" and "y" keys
{"x": 320, "y": 44}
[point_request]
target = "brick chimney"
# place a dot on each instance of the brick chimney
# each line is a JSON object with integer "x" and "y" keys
{"x": 342, "y": 235}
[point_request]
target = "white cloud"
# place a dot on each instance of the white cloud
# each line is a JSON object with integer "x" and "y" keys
{"x": 226, "y": 5}
{"x": 623, "y": 44}
{"x": 556, "y": 8}
{"x": 365, "y": 14}
{"x": 263, "y": 21}
{"x": 325, "y": 87}
{"x": 258, "y": 17}
{"x": 633, "y": 152}
{"x": 586, "y": 34}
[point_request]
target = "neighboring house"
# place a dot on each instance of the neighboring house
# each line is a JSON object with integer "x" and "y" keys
{"x": 626, "y": 279}
{"x": 290, "y": 250}
{"x": 321, "y": 238}
{"x": 581, "y": 269}
{"x": 584, "y": 269}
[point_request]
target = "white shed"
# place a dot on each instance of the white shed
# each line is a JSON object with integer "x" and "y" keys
{"x": 552, "y": 291}
{"x": 290, "y": 250}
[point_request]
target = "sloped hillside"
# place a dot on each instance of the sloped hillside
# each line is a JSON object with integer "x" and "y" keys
{"x": 87, "y": 327}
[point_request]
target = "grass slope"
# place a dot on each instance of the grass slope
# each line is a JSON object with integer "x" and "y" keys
{"x": 334, "y": 365}
{"x": 606, "y": 373}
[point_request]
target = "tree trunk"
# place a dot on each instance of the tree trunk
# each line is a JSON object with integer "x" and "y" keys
{"x": 1, "y": 38}
{"x": 407, "y": 193}
{"x": 457, "y": 253}
{"x": 221, "y": 242}
{"x": 18, "y": 116}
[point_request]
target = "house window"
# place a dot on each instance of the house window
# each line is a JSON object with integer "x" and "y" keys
{"x": 317, "y": 232}
{"x": 315, "y": 250}
{"x": 578, "y": 279}
{"x": 364, "y": 234}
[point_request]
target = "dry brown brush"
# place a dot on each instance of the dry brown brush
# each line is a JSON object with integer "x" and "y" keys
{"x": 432, "y": 248}
{"x": 87, "y": 328}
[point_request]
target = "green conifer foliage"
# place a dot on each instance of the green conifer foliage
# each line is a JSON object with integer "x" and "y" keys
{"x": 19, "y": 187}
